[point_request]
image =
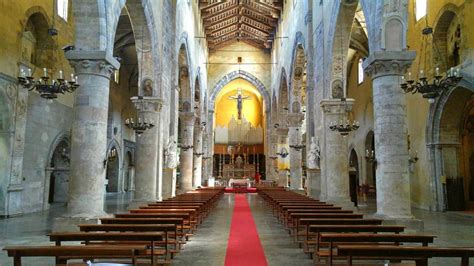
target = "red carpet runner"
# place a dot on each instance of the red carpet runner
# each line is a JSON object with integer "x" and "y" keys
{"x": 244, "y": 247}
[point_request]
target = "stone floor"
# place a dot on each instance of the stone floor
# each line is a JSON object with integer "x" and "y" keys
{"x": 208, "y": 245}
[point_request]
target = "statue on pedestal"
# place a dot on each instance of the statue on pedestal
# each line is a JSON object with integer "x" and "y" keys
{"x": 171, "y": 154}
{"x": 313, "y": 158}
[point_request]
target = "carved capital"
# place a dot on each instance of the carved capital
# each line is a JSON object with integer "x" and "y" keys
{"x": 336, "y": 106}
{"x": 187, "y": 118}
{"x": 295, "y": 120}
{"x": 144, "y": 104}
{"x": 92, "y": 63}
{"x": 388, "y": 63}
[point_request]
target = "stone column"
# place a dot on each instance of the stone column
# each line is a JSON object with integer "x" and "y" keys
{"x": 335, "y": 157}
{"x": 294, "y": 125}
{"x": 186, "y": 156}
{"x": 197, "y": 155}
{"x": 89, "y": 133}
{"x": 391, "y": 147}
{"x": 282, "y": 141}
{"x": 272, "y": 158}
{"x": 146, "y": 154}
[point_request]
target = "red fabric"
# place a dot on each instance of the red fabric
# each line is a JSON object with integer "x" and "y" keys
{"x": 245, "y": 190}
{"x": 243, "y": 247}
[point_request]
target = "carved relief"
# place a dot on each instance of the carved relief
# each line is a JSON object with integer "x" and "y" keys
{"x": 147, "y": 86}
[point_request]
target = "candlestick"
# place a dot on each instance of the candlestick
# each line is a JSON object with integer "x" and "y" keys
{"x": 29, "y": 72}
{"x": 60, "y": 74}
{"x": 437, "y": 71}
{"x": 22, "y": 73}
{"x": 72, "y": 77}
{"x": 45, "y": 72}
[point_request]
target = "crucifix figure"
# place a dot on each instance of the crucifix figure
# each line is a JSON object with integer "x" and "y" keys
{"x": 239, "y": 97}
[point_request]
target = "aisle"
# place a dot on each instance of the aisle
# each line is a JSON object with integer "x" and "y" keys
{"x": 244, "y": 247}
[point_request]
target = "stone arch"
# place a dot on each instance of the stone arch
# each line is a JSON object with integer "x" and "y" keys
{"x": 297, "y": 74}
{"x": 246, "y": 76}
{"x": 354, "y": 175}
{"x": 56, "y": 184}
{"x": 446, "y": 16}
{"x": 184, "y": 78}
{"x": 283, "y": 93}
{"x": 443, "y": 137}
{"x": 37, "y": 46}
{"x": 113, "y": 172}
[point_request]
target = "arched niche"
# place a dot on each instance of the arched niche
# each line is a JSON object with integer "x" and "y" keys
{"x": 37, "y": 46}
{"x": 447, "y": 37}
{"x": 354, "y": 176}
{"x": 283, "y": 94}
{"x": 113, "y": 173}
{"x": 394, "y": 34}
{"x": 57, "y": 170}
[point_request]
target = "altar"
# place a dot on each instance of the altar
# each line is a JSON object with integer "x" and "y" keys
{"x": 234, "y": 183}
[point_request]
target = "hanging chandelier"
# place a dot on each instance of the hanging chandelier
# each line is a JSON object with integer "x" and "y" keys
{"x": 139, "y": 125}
{"x": 430, "y": 89}
{"x": 46, "y": 88}
{"x": 344, "y": 127}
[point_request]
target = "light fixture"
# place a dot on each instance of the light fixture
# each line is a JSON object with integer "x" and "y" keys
{"x": 345, "y": 126}
{"x": 139, "y": 125}
{"x": 430, "y": 90}
{"x": 297, "y": 147}
{"x": 198, "y": 154}
{"x": 283, "y": 153}
{"x": 370, "y": 156}
{"x": 110, "y": 156}
{"x": 46, "y": 88}
{"x": 185, "y": 147}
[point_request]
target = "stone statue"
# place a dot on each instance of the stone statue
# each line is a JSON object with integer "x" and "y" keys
{"x": 313, "y": 157}
{"x": 171, "y": 154}
{"x": 147, "y": 87}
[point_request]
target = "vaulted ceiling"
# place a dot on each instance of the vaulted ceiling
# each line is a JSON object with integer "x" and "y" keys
{"x": 249, "y": 21}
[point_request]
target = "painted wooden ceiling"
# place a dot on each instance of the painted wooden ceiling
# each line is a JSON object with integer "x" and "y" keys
{"x": 249, "y": 21}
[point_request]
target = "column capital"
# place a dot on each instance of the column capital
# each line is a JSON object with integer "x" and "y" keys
{"x": 187, "y": 118}
{"x": 92, "y": 62}
{"x": 295, "y": 119}
{"x": 388, "y": 63}
{"x": 336, "y": 106}
{"x": 144, "y": 103}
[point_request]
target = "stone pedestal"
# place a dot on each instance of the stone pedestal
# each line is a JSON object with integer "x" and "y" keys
{"x": 146, "y": 153}
{"x": 294, "y": 124}
{"x": 89, "y": 133}
{"x": 186, "y": 156}
{"x": 335, "y": 157}
{"x": 391, "y": 147}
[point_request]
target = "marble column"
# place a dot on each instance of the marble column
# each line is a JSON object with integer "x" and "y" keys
{"x": 146, "y": 154}
{"x": 282, "y": 177}
{"x": 186, "y": 156}
{"x": 197, "y": 155}
{"x": 89, "y": 133}
{"x": 294, "y": 125}
{"x": 335, "y": 157}
{"x": 391, "y": 147}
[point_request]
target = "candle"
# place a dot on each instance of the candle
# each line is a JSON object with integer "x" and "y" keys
{"x": 29, "y": 72}
{"x": 127, "y": 121}
{"x": 367, "y": 153}
{"x": 72, "y": 77}
{"x": 437, "y": 71}
{"x": 22, "y": 73}
{"x": 422, "y": 73}
{"x": 60, "y": 74}
{"x": 45, "y": 72}
{"x": 409, "y": 76}
{"x": 77, "y": 80}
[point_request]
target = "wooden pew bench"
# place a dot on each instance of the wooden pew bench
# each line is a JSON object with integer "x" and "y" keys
{"x": 185, "y": 216}
{"x": 193, "y": 213}
{"x": 171, "y": 231}
{"x": 151, "y": 237}
{"x": 335, "y": 239}
{"x": 288, "y": 212}
{"x": 416, "y": 253}
{"x": 64, "y": 253}
{"x": 294, "y": 220}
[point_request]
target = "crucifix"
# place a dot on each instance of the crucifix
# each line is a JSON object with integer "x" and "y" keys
{"x": 239, "y": 97}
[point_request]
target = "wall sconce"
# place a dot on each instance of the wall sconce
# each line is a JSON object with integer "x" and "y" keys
{"x": 283, "y": 153}
{"x": 370, "y": 156}
{"x": 198, "y": 154}
{"x": 297, "y": 147}
{"x": 185, "y": 147}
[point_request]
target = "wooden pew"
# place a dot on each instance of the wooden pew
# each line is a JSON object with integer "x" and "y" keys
{"x": 376, "y": 239}
{"x": 294, "y": 220}
{"x": 193, "y": 213}
{"x": 153, "y": 237}
{"x": 63, "y": 253}
{"x": 416, "y": 253}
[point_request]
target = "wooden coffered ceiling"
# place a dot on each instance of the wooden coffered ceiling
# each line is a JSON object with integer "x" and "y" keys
{"x": 249, "y": 21}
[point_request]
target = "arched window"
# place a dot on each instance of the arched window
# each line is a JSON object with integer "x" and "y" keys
{"x": 62, "y": 6}
{"x": 420, "y": 9}
{"x": 360, "y": 73}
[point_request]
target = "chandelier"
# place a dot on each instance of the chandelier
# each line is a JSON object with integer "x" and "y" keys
{"x": 344, "y": 127}
{"x": 139, "y": 125}
{"x": 430, "y": 89}
{"x": 298, "y": 147}
{"x": 46, "y": 88}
